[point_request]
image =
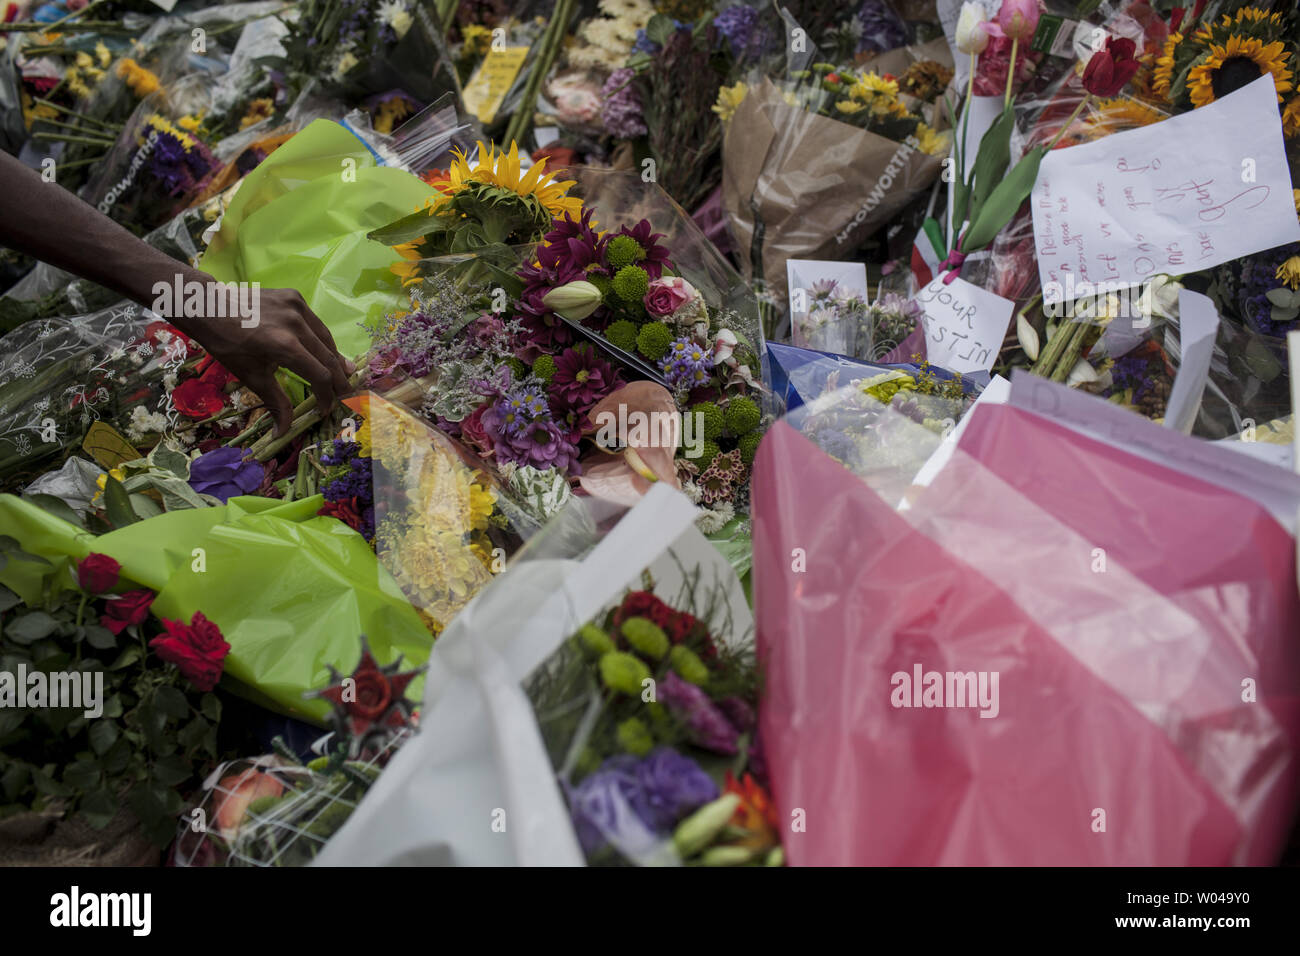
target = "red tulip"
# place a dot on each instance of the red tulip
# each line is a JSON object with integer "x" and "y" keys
{"x": 1111, "y": 67}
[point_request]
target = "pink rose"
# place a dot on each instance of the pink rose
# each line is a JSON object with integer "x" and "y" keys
{"x": 473, "y": 433}
{"x": 665, "y": 296}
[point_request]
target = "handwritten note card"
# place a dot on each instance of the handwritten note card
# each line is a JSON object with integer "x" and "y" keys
{"x": 964, "y": 325}
{"x": 1186, "y": 194}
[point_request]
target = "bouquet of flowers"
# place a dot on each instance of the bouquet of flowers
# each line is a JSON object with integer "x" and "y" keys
{"x": 275, "y": 810}
{"x": 105, "y": 715}
{"x": 817, "y": 158}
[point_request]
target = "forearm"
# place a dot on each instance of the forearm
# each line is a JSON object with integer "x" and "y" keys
{"x": 49, "y": 223}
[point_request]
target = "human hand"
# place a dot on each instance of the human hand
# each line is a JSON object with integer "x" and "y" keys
{"x": 281, "y": 332}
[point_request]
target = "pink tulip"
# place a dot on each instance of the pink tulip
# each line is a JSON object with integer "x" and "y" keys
{"x": 1019, "y": 18}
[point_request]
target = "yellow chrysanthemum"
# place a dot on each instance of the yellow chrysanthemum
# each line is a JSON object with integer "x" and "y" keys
{"x": 482, "y": 502}
{"x": 189, "y": 123}
{"x": 1289, "y": 272}
{"x": 102, "y": 54}
{"x": 83, "y": 59}
{"x": 478, "y": 39}
{"x": 1270, "y": 58}
{"x": 932, "y": 143}
{"x": 1163, "y": 77}
{"x": 729, "y": 100}
{"x": 879, "y": 85}
{"x": 501, "y": 169}
{"x": 849, "y": 106}
{"x": 77, "y": 86}
{"x": 141, "y": 81}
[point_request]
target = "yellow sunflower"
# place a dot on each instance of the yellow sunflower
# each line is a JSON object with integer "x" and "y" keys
{"x": 501, "y": 169}
{"x": 1116, "y": 115}
{"x": 1163, "y": 77}
{"x": 1270, "y": 58}
{"x": 1291, "y": 117}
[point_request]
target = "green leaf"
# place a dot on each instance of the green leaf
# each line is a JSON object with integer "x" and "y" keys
{"x": 14, "y": 780}
{"x": 47, "y": 785}
{"x": 169, "y": 459}
{"x": 210, "y": 704}
{"x": 177, "y": 495}
{"x": 192, "y": 734}
{"x": 100, "y": 638}
{"x": 31, "y": 627}
{"x": 118, "y": 504}
{"x": 99, "y": 808}
{"x": 103, "y": 734}
{"x": 82, "y": 774}
{"x": 118, "y": 756}
{"x": 660, "y": 28}
{"x": 8, "y": 543}
{"x": 144, "y": 506}
{"x": 171, "y": 702}
{"x": 413, "y": 226}
{"x": 169, "y": 771}
{"x": 57, "y": 507}
{"x": 130, "y": 654}
{"x": 1004, "y": 201}
{"x": 990, "y": 164}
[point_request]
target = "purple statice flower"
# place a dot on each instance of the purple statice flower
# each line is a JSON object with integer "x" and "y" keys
{"x": 708, "y": 726}
{"x": 622, "y": 113}
{"x": 656, "y": 256}
{"x": 1133, "y": 372}
{"x": 1258, "y": 278}
{"x": 224, "y": 473}
{"x": 881, "y": 28}
{"x": 351, "y": 477}
{"x": 744, "y": 35}
{"x": 687, "y": 364}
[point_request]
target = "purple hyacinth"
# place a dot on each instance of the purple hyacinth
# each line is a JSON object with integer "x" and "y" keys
{"x": 881, "y": 28}
{"x": 622, "y": 113}
{"x": 708, "y": 726}
{"x": 740, "y": 27}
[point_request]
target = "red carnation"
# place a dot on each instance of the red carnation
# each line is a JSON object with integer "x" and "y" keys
{"x": 1111, "y": 67}
{"x": 196, "y": 398}
{"x": 197, "y": 649}
{"x": 127, "y": 609}
{"x": 346, "y": 510}
{"x": 97, "y": 573}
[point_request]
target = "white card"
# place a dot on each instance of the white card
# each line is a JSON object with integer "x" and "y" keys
{"x": 1186, "y": 194}
{"x": 1198, "y": 325}
{"x": 964, "y": 325}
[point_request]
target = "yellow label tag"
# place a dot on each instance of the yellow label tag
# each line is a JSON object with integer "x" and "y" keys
{"x": 107, "y": 446}
{"x": 488, "y": 87}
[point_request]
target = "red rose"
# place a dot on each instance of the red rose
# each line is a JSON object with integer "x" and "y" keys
{"x": 1111, "y": 67}
{"x": 473, "y": 433}
{"x": 214, "y": 373}
{"x": 97, "y": 573}
{"x": 195, "y": 398}
{"x": 197, "y": 649}
{"x": 129, "y": 608}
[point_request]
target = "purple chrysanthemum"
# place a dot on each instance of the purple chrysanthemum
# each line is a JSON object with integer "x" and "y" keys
{"x": 582, "y": 378}
{"x": 708, "y": 726}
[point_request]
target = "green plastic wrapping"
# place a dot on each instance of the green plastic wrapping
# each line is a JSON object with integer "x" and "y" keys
{"x": 290, "y": 591}
{"x": 299, "y": 221}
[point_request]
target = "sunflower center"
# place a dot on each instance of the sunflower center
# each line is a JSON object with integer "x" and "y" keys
{"x": 1236, "y": 72}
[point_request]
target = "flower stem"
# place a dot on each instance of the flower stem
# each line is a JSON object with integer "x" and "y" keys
{"x": 1011, "y": 71}
{"x": 1070, "y": 122}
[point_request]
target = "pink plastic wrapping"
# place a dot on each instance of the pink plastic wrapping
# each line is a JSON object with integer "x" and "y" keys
{"x": 1123, "y": 637}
